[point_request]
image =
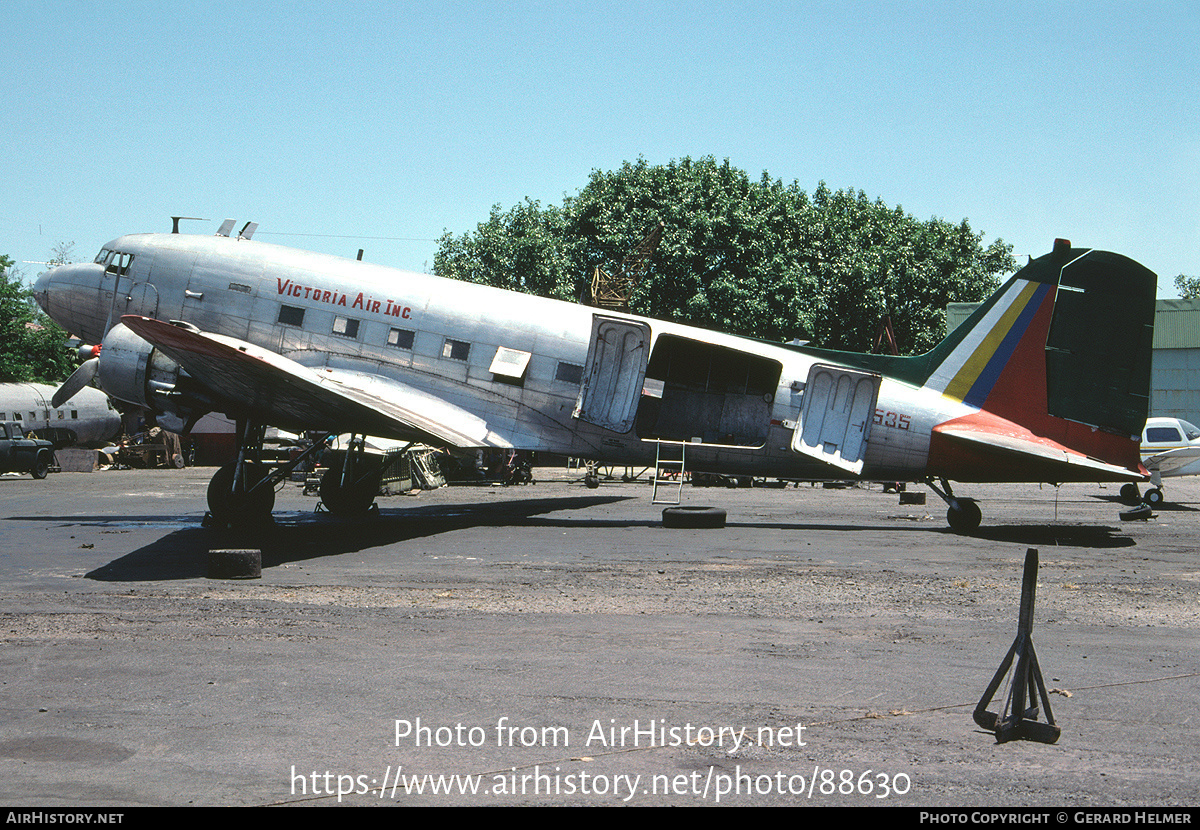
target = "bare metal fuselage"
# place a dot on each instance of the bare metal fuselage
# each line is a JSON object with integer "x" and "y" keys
{"x": 583, "y": 387}
{"x": 87, "y": 420}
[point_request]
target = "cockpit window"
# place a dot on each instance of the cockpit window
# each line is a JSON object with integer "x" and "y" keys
{"x": 1190, "y": 430}
{"x": 102, "y": 257}
{"x": 118, "y": 263}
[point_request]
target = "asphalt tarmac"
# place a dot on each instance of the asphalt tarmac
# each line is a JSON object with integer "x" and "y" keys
{"x": 555, "y": 645}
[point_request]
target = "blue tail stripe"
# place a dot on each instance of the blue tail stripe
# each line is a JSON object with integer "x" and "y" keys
{"x": 982, "y": 386}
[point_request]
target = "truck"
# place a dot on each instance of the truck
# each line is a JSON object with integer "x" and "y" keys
{"x": 19, "y": 454}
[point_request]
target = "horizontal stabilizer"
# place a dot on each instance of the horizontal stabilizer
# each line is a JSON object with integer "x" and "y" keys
{"x": 279, "y": 391}
{"x": 1011, "y": 456}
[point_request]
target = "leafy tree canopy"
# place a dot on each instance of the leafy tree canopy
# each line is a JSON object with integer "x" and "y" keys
{"x": 1189, "y": 287}
{"x": 758, "y": 258}
{"x": 31, "y": 344}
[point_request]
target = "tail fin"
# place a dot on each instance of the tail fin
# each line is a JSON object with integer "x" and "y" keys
{"x": 1058, "y": 365}
{"x": 1068, "y": 338}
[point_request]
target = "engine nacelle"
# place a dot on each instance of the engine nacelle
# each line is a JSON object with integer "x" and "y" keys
{"x": 136, "y": 372}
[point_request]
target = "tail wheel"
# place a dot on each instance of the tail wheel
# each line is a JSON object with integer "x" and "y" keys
{"x": 1130, "y": 494}
{"x": 964, "y": 516}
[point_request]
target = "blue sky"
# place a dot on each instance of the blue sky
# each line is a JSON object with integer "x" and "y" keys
{"x": 379, "y": 125}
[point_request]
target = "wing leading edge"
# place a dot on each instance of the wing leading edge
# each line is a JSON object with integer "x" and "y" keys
{"x": 282, "y": 392}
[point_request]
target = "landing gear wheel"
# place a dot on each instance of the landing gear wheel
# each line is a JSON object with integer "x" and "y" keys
{"x": 1153, "y": 497}
{"x": 695, "y": 517}
{"x": 964, "y": 516}
{"x": 243, "y": 507}
{"x": 1130, "y": 494}
{"x": 354, "y": 500}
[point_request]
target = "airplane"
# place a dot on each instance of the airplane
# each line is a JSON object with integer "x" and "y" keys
{"x": 90, "y": 421}
{"x": 1048, "y": 381}
{"x": 1170, "y": 447}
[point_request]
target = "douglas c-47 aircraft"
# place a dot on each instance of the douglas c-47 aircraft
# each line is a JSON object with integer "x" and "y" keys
{"x": 1048, "y": 381}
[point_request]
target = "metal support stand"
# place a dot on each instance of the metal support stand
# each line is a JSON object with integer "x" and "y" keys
{"x": 1017, "y": 721}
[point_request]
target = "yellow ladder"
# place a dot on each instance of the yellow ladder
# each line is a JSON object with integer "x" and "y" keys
{"x": 669, "y": 463}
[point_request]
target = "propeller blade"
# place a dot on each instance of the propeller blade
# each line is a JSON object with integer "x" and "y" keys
{"x": 80, "y": 378}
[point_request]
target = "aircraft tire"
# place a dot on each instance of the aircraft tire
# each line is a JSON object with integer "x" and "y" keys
{"x": 965, "y": 518}
{"x": 1153, "y": 497}
{"x": 355, "y": 500}
{"x": 227, "y": 508}
{"x": 41, "y": 466}
{"x": 694, "y": 517}
{"x": 1130, "y": 494}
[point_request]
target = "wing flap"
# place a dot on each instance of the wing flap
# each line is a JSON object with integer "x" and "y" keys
{"x": 282, "y": 392}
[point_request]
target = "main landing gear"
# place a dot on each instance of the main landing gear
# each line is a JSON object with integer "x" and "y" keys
{"x": 243, "y": 493}
{"x": 349, "y": 488}
{"x": 963, "y": 514}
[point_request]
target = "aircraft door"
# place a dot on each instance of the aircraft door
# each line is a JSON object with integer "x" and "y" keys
{"x": 142, "y": 299}
{"x": 835, "y": 418}
{"x": 614, "y": 373}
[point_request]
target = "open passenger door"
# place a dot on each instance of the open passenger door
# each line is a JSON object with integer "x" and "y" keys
{"x": 835, "y": 418}
{"x": 614, "y": 373}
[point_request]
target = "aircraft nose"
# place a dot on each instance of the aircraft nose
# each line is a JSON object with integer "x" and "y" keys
{"x": 70, "y": 294}
{"x": 41, "y": 290}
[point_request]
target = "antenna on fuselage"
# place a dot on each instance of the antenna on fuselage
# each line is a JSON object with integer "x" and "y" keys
{"x": 175, "y": 221}
{"x": 248, "y": 230}
{"x": 226, "y": 227}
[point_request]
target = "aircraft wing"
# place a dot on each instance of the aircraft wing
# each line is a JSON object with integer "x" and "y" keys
{"x": 1169, "y": 462}
{"x": 1018, "y": 455}
{"x": 281, "y": 392}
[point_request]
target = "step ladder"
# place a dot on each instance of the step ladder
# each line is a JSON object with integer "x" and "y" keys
{"x": 661, "y": 463}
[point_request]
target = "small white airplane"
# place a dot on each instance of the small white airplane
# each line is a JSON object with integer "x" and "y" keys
{"x": 1170, "y": 447}
{"x": 1048, "y": 380}
{"x": 88, "y": 421}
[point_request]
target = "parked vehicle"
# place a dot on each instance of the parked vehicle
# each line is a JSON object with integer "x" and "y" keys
{"x": 19, "y": 454}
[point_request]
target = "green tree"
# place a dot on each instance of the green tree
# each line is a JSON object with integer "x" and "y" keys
{"x": 758, "y": 258}
{"x": 31, "y": 344}
{"x": 1188, "y": 287}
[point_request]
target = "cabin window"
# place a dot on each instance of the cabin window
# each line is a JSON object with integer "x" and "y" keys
{"x": 401, "y": 338}
{"x": 569, "y": 373}
{"x": 345, "y": 327}
{"x": 291, "y": 316}
{"x": 74, "y": 414}
{"x": 1162, "y": 435}
{"x": 16, "y": 416}
{"x": 456, "y": 349}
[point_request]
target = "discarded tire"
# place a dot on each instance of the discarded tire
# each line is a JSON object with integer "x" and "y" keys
{"x": 234, "y": 564}
{"x": 706, "y": 517}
